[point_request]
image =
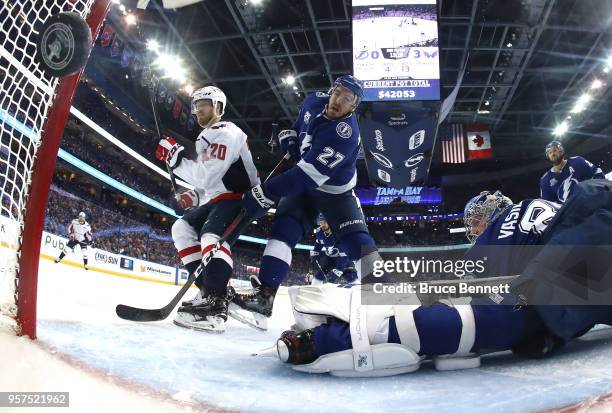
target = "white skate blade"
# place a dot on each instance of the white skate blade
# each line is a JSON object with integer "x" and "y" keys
{"x": 255, "y": 320}
{"x": 215, "y": 325}
{"x": 266, "y": 352}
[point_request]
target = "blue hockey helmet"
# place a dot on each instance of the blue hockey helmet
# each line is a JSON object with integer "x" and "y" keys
{"x": 483, "y": 208}
{"x": 321, "y": 217}
{"x": 353, "y": 84}
{"x": 554, "y": 144}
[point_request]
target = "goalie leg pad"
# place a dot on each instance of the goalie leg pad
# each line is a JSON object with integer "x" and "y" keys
{"x": 325, "y": 299}
{"x": 387, "y": 359}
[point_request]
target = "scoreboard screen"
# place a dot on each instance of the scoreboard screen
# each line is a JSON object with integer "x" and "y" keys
{"x": 395, "y": 49}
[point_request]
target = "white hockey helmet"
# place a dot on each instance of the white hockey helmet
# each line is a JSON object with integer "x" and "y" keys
{"x": 82, "y": 215}
{"x": 209, "y": 92}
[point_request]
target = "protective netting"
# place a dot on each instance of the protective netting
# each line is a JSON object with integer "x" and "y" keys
{"x": 26, "y": 94}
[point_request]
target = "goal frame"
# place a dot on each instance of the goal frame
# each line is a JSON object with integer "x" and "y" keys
{"x": 42, "y": 173}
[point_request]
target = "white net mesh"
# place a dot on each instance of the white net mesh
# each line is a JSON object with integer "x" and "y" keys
{"x": 26, "y": 94}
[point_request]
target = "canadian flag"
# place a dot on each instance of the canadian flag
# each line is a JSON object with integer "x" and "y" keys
{"x": 479, "y": 141}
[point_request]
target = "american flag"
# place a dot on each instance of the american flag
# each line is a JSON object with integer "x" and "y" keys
{"x": 452, "y": 139}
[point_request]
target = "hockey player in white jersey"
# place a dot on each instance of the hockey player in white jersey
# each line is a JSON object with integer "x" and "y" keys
{"x": 79, "y": 232}
{"x": 223, "y": 171}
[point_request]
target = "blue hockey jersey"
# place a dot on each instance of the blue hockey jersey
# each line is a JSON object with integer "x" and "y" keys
{"x": 328, "y": 149}
{"x": 312, "y": 106}
{"x": 557, "y": 186}
{"x": 326, "y": 243}
{"x": 506, "y": 241}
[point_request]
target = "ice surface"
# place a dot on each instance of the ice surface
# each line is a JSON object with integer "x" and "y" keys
{"x": 76, "y": 318}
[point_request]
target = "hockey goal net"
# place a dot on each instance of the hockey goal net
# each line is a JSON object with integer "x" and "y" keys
{"x": 33, "y": 110}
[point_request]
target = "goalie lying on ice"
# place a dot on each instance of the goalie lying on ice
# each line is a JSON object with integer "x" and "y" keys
{"x": 335, "y": 333}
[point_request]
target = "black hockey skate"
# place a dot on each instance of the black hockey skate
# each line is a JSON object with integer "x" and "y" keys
{"x": 296, "y": 348}
{"x": 253, "y": 306}
{"x": 209, "y": 313}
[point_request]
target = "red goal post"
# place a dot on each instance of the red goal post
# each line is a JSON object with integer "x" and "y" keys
{"x": 34, "y": 108}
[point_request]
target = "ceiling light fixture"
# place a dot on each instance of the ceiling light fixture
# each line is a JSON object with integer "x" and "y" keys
{"x": 561, "y": 128}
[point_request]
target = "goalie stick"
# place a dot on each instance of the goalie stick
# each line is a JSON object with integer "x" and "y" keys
{"x": 230, "y": 236}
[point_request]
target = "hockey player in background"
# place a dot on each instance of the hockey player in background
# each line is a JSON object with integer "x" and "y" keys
{"x": 557, "y": 184}
{"x": 331, "y": 264}
{"x": 223, "y": 171}
{"x": 399, "y": 337}
{"x": 79, "y": 232}
{"x": 324, "y": 141}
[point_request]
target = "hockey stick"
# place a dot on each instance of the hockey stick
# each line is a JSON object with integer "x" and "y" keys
{"x": 241, "y": 221}
{"x": 230, "y": 236}
{"x": 159, "y": 135}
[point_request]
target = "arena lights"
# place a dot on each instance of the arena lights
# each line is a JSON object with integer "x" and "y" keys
{"x": 169, "y": 64}
{"x": 130, "y": 19}
{"x": 153, "y": 45}
{"x": 596, "y": 84}
{"x": 256, "y": 2}
{"x": 188, "y": 88}
{"x": 178, "y": 73}
{"x": 165, "y": 61}
{"x": 581, "y": 103}
{"x": 561, "y": 128}
{"x": 289, "y": 79}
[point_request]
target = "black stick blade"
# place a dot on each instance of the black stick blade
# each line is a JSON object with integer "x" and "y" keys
{"x": 156, "y": 314}
{"x": 140, "y": 314}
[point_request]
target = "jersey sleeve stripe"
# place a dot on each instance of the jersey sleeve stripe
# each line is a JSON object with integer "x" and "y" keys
{"x": 312, "y": 172}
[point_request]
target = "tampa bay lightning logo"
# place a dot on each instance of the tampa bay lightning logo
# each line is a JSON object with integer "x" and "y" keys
{"x": 414, "y": 160}
{"x": 306, "y": 117}
{"x": 363, "y": 54}
{"x": 566, "y": 188}
{"x": 344, "y": 130}
{"x": 382, "y": 159}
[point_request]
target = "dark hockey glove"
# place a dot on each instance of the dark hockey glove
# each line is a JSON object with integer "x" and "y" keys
{"x": 349, "y": 275}
{"x": 256, "y": 202}
{"x": 288, "y": 140}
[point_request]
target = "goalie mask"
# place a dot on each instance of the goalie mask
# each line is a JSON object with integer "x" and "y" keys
{"x": 481, "y": 210}
{"x": 212, "y": 93}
